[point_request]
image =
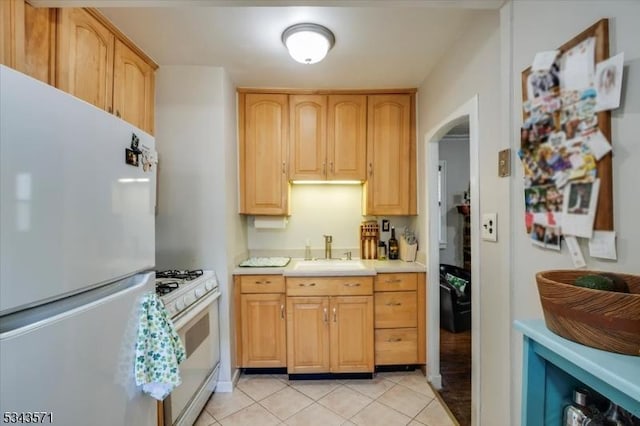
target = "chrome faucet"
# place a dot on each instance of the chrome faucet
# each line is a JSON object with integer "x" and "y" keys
{"x": 328, "y": 239}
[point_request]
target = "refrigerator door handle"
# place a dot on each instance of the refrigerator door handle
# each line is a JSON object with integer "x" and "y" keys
{"x": 23, "y": 321}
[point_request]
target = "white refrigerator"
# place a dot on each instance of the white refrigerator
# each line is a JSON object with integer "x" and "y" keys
{"x": 77, "y": 250}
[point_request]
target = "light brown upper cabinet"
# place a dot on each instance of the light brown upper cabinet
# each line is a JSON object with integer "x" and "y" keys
{"x": 264, "y": 129}
{"x": 133, "y": 88}
{"x": 40, "y": 43}
{"x": 328, "y": 137}
{"x": 82, "y": 53}
{"x": 84, "y": 59}
{"x": 390, "y": 187}
{"x": 12, "y": 33}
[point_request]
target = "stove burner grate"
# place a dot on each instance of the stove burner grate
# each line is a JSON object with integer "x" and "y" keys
{"x": 166, "y": 288}
{"x": 180, "y": 274}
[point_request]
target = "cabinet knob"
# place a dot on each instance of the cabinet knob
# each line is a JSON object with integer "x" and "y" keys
{"x": 324, "y": 168}
{"x": 393, "y": 281}
{"x": 394, "y": 340}
{"x": 307, "y": 284}
{"x": 352, "y": 284}
{"x": 393, "y": 304}
{"x": 335, "y": 315}
{"x": 282, "y": 311}
{"x": 263, "y": 282}
{"x": 331, "y": 166}
{"x": 325, "y": 315}
{"x": 370, "y": 169}
{"x": 284, "y": 167}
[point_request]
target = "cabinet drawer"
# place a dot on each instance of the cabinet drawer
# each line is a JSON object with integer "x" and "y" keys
{"x": 396, "y": 309}
{"x": 329, "y": 286}
{"x": 261, "y": 284}
{"x": 396, "y": 346}
{"x": 396, "y": 282}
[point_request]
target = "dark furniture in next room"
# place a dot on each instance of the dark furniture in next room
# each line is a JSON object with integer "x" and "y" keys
{"x": 455, "y": 304}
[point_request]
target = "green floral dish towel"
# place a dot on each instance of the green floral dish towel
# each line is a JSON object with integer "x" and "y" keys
{"x": 159, "y": 349}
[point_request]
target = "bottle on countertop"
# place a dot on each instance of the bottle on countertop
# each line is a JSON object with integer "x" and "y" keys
{"x": 382, "y": 250}
{"x": 577, "y": 413}
{"x": 307, "y": 250}
{"x": 393, "y": 245}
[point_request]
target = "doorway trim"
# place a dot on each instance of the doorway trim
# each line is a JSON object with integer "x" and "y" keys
{"x": 468, "y": 110}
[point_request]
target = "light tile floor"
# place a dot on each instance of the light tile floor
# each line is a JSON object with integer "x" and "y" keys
{"x": 397, "y": 398}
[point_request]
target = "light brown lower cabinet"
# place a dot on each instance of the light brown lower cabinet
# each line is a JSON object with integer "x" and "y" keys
{"x": 263, "y": 330}
{"x": 330, "y": 334}
{"x": 260, "y": 321}
{"x": 330, "y": 324}
{"x": 400, "y": 319}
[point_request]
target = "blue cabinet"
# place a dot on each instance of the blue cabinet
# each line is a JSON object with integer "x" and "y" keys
{"x": 554, "y": 366}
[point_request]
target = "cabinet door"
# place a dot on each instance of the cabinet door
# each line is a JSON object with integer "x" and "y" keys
{"x": 40, "y": 42}
{"x": 133, "y": 82}
{"x": 347, "y": 137}
{"x": 12, "y": 19}
{"x": 388, "y": 155}
{"x": 307, "y": 335}
{"x": 264, "y": 125}
{"x": 351, "y": 320}
{"x": 263, "y": 330}
{"x": 84, "y": 57}
{"x": 308, "y": 148}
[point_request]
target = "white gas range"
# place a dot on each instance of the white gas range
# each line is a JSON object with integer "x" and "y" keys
{"x": 191, "y": 297}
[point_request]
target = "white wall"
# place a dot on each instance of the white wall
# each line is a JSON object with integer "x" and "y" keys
{"x": 472, "y": 66}
{"x": 455, "y": 151}
{"x": 317, "y": 210}
{"x": 197, "y": 224}
{"x": 562, "y": 21}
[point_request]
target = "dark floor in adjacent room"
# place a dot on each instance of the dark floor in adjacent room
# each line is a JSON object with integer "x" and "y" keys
{"x": 455, "y": 368}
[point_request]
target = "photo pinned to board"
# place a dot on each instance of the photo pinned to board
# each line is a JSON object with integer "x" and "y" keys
{"x": 608, "y": 82}
{"x": 545, "y": 236}
{"x": 579, "y": 208}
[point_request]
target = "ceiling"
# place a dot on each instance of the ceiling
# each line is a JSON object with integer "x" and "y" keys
{"x": 379, "y": 44}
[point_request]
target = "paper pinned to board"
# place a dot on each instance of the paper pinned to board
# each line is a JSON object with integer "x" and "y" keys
{"x": 543, "y": 60}
{"x": 574, "y": 250}
{"x": 597, "y": 143}
{"x": 603, "y": 245}
{"x": 270, "y": 222}
{"x": 608, "y": 82}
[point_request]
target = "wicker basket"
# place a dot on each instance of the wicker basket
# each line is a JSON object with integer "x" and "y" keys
{"x": 601, "y": 319}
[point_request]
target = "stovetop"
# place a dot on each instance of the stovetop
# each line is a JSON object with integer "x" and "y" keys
{"x": 179, "y": 289}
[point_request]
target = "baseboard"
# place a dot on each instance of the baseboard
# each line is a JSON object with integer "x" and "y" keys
{"x": 436, "y": 381}
{"x": 227, "y": 386}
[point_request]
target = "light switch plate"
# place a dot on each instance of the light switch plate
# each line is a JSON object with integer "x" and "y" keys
{"x": 489, "y": 227}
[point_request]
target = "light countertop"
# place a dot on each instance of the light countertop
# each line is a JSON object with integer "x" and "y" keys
{"x": 371, "y": 267}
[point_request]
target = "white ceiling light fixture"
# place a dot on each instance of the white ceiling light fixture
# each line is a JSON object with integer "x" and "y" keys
{"x": 308, "y": 43}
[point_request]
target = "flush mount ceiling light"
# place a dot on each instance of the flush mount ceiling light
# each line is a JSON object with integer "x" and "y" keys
{"x": 308, "y": 43}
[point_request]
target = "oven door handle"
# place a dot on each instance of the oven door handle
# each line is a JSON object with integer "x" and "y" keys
{"x": 196, "y": 308}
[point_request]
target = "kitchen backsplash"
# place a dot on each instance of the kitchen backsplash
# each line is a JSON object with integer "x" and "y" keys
{"x": 318, "y": 210}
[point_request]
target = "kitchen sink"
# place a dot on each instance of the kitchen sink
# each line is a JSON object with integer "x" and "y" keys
{"x": 329, "y": 265}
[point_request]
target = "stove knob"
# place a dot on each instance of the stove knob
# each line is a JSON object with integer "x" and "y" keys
{"x": 199, "y": 292}
{"x": 209, "y": 285}
{"x": 179, "y": 305}
{"x": 188, "y": 300}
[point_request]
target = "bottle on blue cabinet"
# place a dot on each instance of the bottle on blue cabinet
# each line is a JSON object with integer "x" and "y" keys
{"x": 577, "y": 413}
